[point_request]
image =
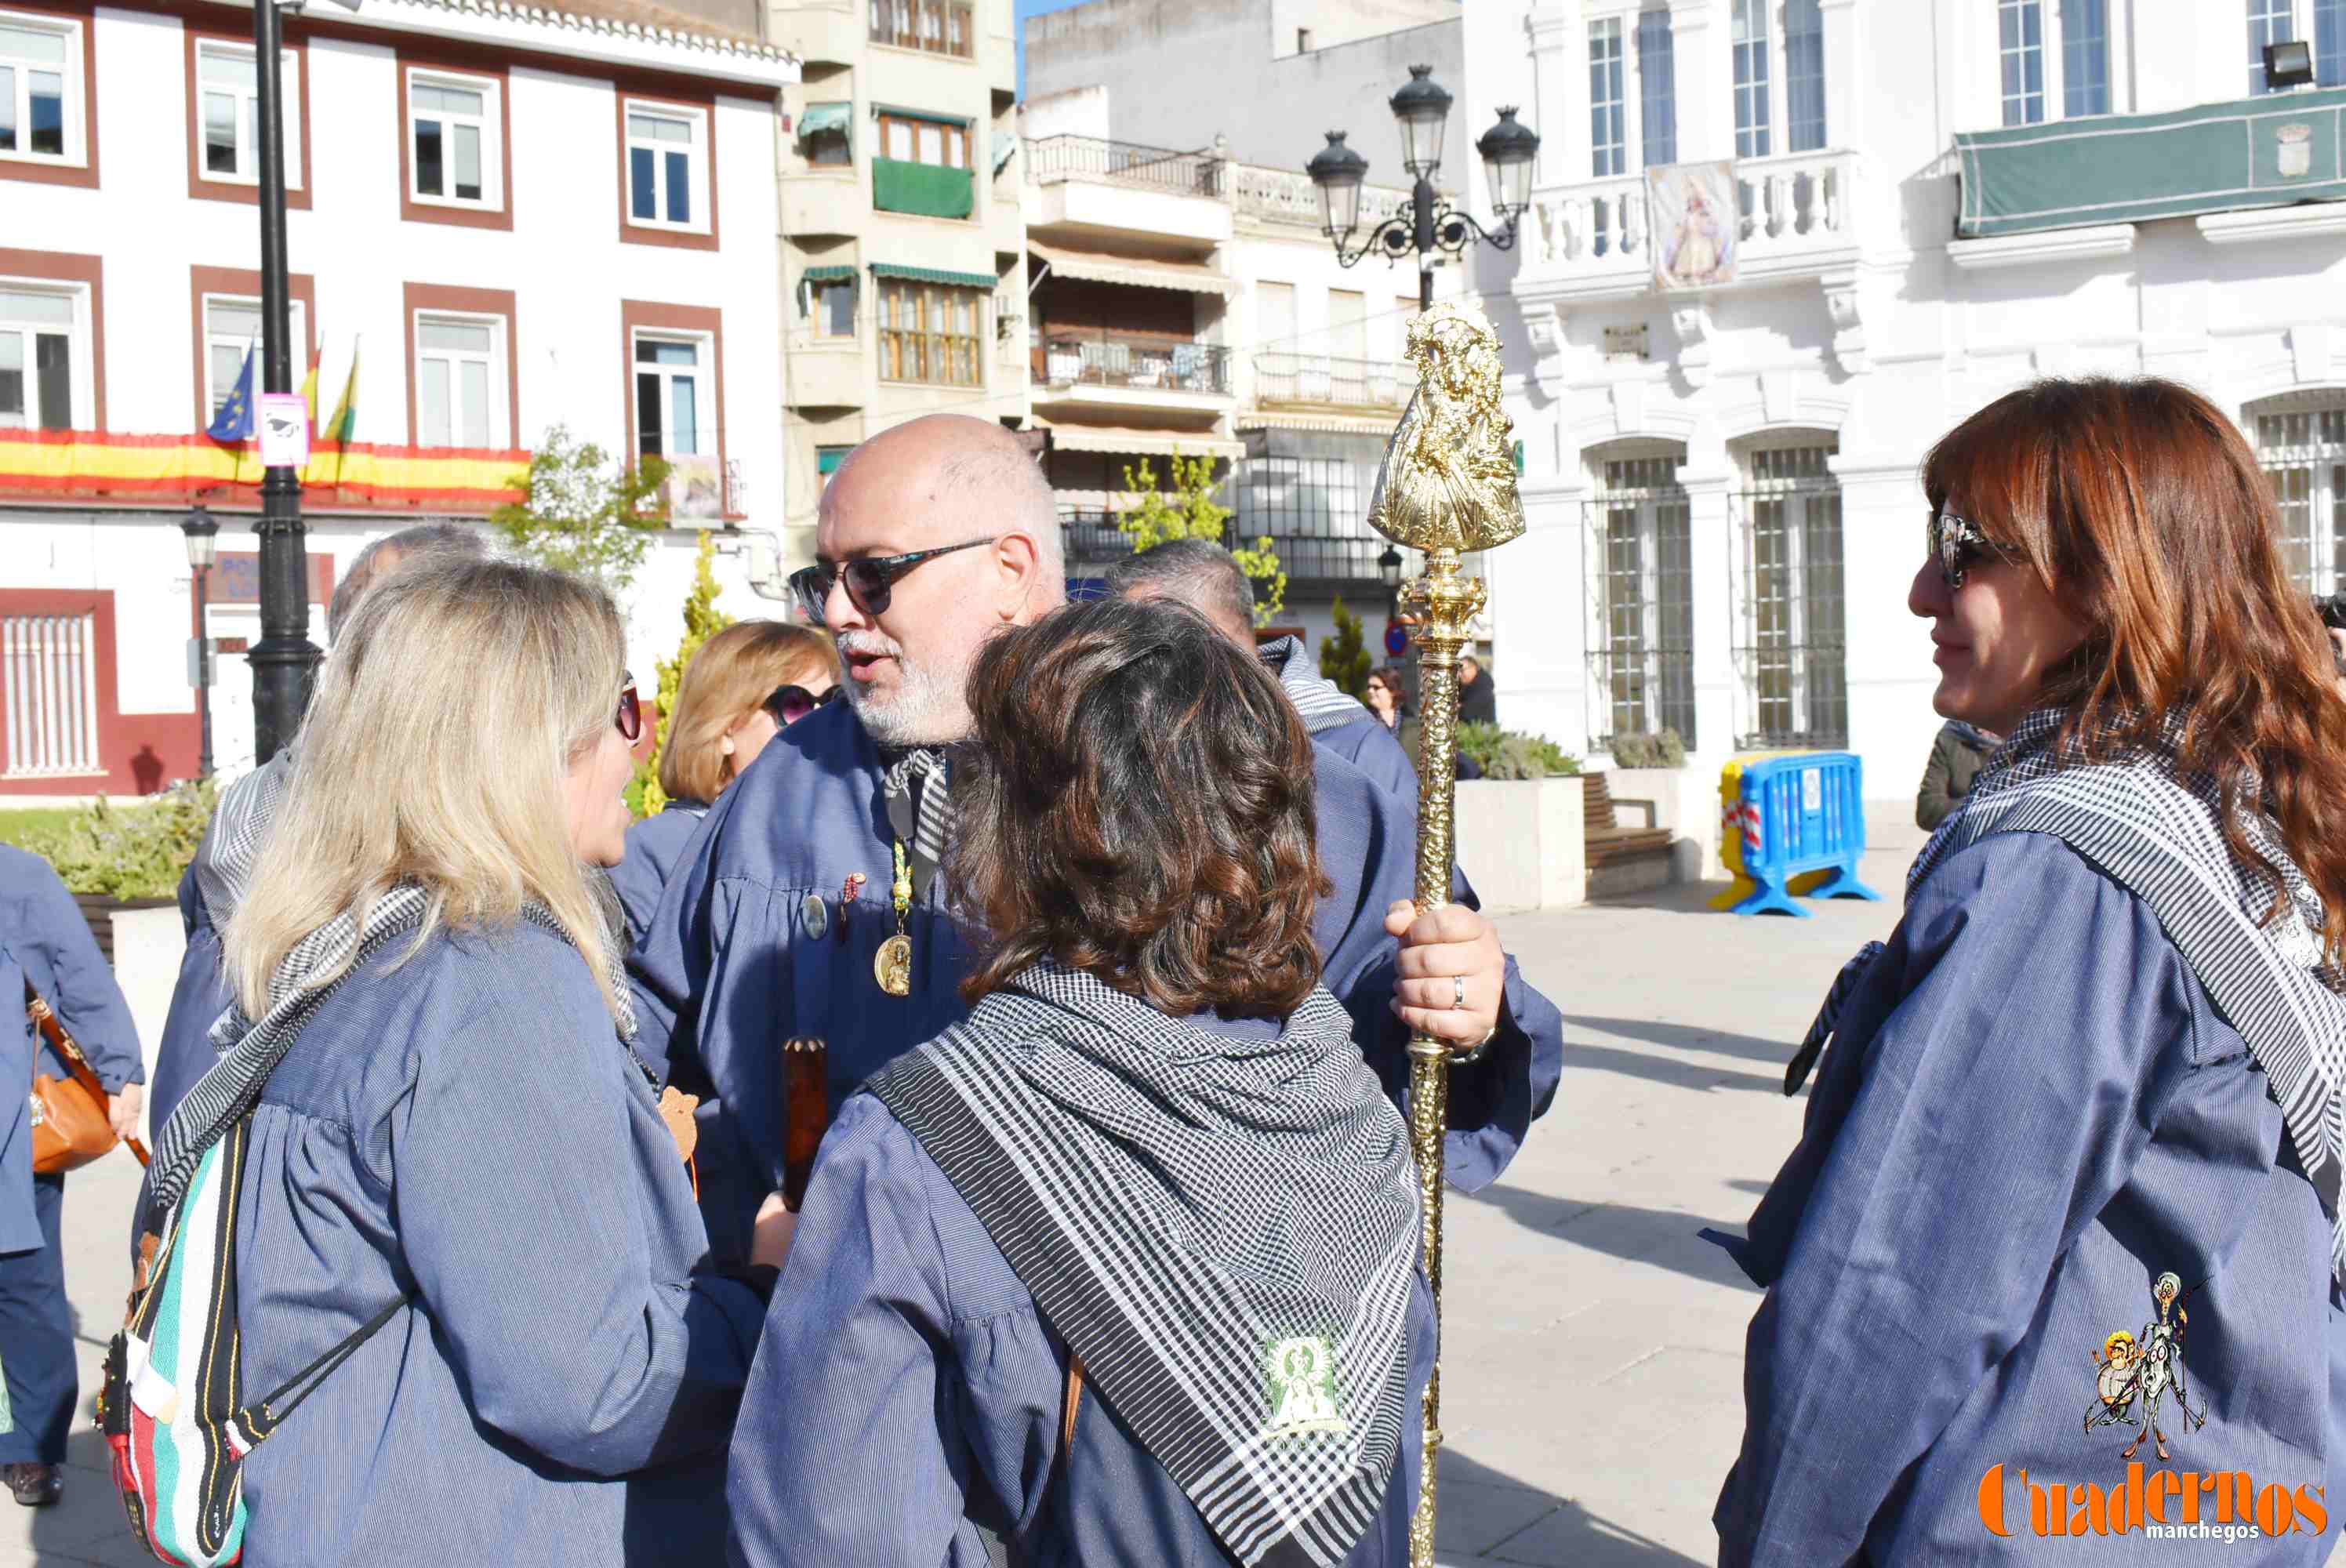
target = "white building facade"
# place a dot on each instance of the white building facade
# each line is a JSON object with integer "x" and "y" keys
{"x": 508, "y": 219}
{"x": 1722, "y": 460}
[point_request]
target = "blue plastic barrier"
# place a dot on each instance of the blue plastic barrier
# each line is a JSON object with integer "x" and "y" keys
{"x": 1801, "y": 814}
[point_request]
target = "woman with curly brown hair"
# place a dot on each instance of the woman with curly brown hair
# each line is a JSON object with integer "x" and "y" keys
{"x": 1123, "y": 1267}
{"x": 2093, "y": 1081}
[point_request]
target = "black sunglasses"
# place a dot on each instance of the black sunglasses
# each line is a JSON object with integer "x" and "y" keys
{"x": 1958, "y": 546}
{"x": 630, "y": 716}
{"x": 870, "y": 578}
{"x": 789, "y": 704}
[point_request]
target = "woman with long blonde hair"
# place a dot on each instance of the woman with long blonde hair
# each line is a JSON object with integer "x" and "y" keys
{"x": 744, "y": 687}
{"x": 2093, "y": 1082}
{"x": 433, "y": 1038}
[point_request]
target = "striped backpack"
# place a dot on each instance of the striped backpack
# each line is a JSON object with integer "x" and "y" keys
{"x": 174, "y": 1408}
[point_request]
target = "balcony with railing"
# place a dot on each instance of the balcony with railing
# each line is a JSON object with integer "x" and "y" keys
{"x": 1794, "y": 216}
{"x": 1086, "y": 186}
{"x": 1263, "y": 194}
{"x": 1103, "y": 370}
{"x": 1326, "y": 382}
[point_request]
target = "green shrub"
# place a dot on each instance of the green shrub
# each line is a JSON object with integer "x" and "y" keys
{"x": 127, "y": 852}
{"x": 1511, "y": 753}
{"x": 1663, "y": 750}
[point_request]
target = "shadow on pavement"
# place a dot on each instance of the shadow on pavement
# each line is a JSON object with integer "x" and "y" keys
{"x": 87, "y": 1525}
{"x": 1691, "y": 1037}
{"x": 1487, "y": 1516}
{"x": 1664, "y": 1070}
{"x": 1661, "y": 1238}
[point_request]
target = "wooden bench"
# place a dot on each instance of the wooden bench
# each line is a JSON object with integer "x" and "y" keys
{"x": 1618, "y": 856}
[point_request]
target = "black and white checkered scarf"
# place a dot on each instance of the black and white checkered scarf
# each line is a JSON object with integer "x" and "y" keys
{"x": 1224, "y": 1230}
{"x": 2155, "y": 832}
{"x": 1320, "y": 702}
{"x": 249, "y": 1051}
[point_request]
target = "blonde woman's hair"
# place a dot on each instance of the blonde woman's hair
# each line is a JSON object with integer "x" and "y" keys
{"x": 436, "y": 752}
{"x": 733, "y": 673}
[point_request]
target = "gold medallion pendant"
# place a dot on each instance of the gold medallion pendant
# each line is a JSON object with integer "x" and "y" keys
{"x": 892, "y": 966}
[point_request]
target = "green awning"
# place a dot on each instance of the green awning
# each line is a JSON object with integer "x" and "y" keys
{"x": 935, "y": 275}
{"x": 829, "y": 274}
{"x": 2269, "y": 151}
{"x": 931, "y": 115}
{"x": 932, "y": 191}
{"x": 821, "y": 118}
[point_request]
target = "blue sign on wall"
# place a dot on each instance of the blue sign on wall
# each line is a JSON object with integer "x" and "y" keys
{"x": 1396, "y": 639}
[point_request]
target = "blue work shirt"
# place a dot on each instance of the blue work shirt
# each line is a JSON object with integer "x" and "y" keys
{"x": 2030, "y": 1112}
{"x": 656, "y": 846}
{"x": 198, "y": 999}
{"x": 746, "y": 952}
{"x": 1367, "y": 745}
{"x": 20, "y": 1223}
{"x": 901, "y": 1345}
{"x": 465, "y": 1128}
{"x": 42, "y": 926}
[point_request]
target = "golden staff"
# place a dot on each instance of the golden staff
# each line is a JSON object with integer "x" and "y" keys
{"x": 1447, "y": 485}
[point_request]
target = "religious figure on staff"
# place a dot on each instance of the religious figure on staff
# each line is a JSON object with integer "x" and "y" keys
{"x": 1448, "y": 480}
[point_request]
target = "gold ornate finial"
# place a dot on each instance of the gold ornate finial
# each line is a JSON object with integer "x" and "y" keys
{"x": 1447, "y": 485}
{"x": 1448, "y": 479}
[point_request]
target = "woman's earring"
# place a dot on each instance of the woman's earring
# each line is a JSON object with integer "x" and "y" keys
{"x": 725, "y": 740}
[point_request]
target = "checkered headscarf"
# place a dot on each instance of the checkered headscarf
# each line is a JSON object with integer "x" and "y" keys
{"x": 2155, "y": 830}
{"x": 1196, "y": 1215}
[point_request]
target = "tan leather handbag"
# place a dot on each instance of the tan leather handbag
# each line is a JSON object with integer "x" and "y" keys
{"x": 69, "y": 1121}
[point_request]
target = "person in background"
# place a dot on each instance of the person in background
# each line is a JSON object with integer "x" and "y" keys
{"x": 1205, "y": 577}
{"x": 48, "y": 946}
{"x": 1956, "y": 757}
{"x": 449, "y": 1114}
{"x": 746, "y": 684}
{"x": 214, "y": 882}
{"x": 1386, "y": 696}
{"x": 1478, "y": 700}
{"x": 936, "y": 534}
{"x": 1005, "y": 1222}
{"x": 2105, "y": 1045}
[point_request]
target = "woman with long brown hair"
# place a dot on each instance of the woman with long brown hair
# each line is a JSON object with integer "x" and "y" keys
{"x": 1123, "y": 1267}
{"x": 2067, "y": 1198}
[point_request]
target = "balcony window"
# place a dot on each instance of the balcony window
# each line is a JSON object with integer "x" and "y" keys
{"x": 671, "y": 389}
{"x": 459, "y": 396}
{"x": 2329, "y": 42}
{"x": 1749, "y": 37}
{"x": 231, "y": 334}
{"x": 229, "y": 88}
{"x": 834, "y": 309}
{"x": 39, "y": 333}
{"x": 933, "y": 26}
{"x": 2020, "y": 52}
{"x": 1658, "y": 93}
{"x": 40, "y": 89}
{"x": 1606, "y": 132}
{"x": 923, "y": 168}
{"x": 929, "y": 333}
{"x": 1642, "y": 643}
{"x": 824, "y": 135}
{"x": 2269, "y": 22}
{"x": 1793, "y": 659}
{"x": 2084, "y": 58}
{"x": 2303, "y": 453}
{"x": 1804, "y": 74}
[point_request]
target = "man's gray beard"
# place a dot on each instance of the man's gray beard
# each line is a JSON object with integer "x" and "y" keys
{"x": 926, "y": 709}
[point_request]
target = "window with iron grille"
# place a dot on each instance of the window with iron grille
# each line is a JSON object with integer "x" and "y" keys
{"x": 1641, "y": 646}
{"x": 49, "y": 694}
{"x": 1792, "y": 654}
{"x": 1314, "y": 510}
{"x": 2304, "y": 451}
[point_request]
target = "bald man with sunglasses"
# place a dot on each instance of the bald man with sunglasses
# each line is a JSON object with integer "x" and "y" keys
{"x": 812, "y": 903}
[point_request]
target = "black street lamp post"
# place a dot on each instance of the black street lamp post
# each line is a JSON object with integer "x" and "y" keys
{"x": 1431, "y": 226}
{"x": 203, "y": 543}
{"x": 284, "y": 658}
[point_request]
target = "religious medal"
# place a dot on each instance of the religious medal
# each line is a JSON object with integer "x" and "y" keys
{"x": 892, "y": 966}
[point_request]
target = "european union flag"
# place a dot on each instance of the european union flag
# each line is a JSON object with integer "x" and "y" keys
{"x": 234, "y": 423}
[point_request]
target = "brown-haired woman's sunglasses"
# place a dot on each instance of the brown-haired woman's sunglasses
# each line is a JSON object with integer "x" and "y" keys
{"x": 789, "y": 704}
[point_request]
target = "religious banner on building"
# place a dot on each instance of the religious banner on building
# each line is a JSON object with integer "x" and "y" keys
{"x": 1691, "y": 209}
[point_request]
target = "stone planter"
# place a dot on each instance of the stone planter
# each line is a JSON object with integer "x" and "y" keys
{"x": 99, "y": 910}
{"x": 1522, "y": 842}
{"x": 149, "y": 939}
{"x": 1686, "y": 801}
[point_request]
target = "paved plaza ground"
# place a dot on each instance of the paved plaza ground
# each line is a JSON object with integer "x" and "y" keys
{"x": 1594, "y": 1343}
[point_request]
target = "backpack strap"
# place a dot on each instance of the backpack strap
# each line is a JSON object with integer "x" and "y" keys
{"x": 263, "y": 1418}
